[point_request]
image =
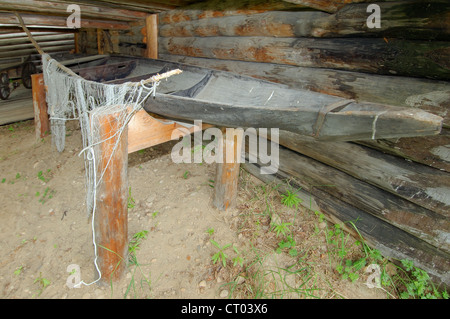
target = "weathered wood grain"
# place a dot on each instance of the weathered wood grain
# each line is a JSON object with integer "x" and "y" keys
{"x": 432, "y": 151}
{"x": 58, "y": 8}
{"x": 420, "y": 184}
{"x": 310, "y": 174}
{"x": 406, "y": 19}
{"x": 111, "y": 215}
{"x": 377, "y": 56}
{"x": 430, "y": 95}
{"x": 35, "y": 20}
{"x": 41, "y": 120}
{"x": 227, "y": 171}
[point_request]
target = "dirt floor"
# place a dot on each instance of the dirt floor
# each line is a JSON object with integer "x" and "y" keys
{"x": 44, "y": 229}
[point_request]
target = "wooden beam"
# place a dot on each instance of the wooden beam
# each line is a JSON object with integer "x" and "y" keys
{"x": 111, "y": 214}
{"x": 145, "y": 131}
{"x": 146, "y": 6}
{"x": 422, "y": 185}
{"x": 430, "y": 22}
{"x": 151, "y": 26}
{"x": 370, "y": 55}
{"x": 38, "y": 21}
{"x": 227, "y": 172}
{"x": 310, "y": 174}
{"x": 60, "y": 8}
{"x": 41, "y": 120}
{"x": 100, "y": 44}
{"x": 391, "y": 241}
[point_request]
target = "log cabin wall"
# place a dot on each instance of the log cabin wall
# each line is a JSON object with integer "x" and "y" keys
{"x": 399, "y": 190}
{"x": 396, "y": 191}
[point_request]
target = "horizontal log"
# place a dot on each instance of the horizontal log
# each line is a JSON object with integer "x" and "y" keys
{"x": 30, "y": 51}
{"x": 430, "y": 95}
{"x": 179, "y": 15}
{"x": 401, "y": 57}
{"x": 60, "y": 8}
{"x": 430, "y": 21}
{"x": 391, "y": 241}
{"x": 22, "y": 38}
{"x": 310, "y": 174}
{"x": 273, "y": 23}
{"x": 146, "y": 6}
{"x": 16, "y": 47}
{"x": 36, "y": 21}
{"x": 422, "y": 185}
{"x": 427, "y": 20}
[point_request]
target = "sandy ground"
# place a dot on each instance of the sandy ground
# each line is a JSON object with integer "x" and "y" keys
{"x": 44, "y": 229}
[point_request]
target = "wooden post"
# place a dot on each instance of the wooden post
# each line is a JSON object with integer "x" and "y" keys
{"x": 151, "y": 25}
{"x": 227, "y": 172}
{"x": 111, "y": 214}
{"x": 100, "y": 43}
{"x": 41, "y": 120}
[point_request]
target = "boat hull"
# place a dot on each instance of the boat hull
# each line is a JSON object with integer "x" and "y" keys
{"x": 230, "y": 100}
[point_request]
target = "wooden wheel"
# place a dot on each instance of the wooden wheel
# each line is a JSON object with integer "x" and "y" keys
{"x": 27, "y": 70}
{"x": 5, "y": 90}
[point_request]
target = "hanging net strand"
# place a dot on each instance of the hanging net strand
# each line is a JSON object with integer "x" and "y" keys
{"x": 71, "y": 97}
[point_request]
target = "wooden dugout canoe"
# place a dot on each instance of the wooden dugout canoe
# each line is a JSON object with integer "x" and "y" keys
{"x": 231, "y": 100}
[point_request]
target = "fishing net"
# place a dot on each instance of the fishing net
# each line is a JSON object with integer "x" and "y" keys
{"x": 71, "y": 97}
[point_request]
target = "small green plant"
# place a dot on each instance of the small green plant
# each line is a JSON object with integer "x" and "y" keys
{"x": 186, "y": 174}
{"x": 130, "y": 202}
{"x": 42, "y": 177}
{"x": 290, "y": 199}
{"x": 281, "y": 228}
{"x": 220, "y": 255}
{"x": 18, "y": 270}
{"x": 48, "y": 194}
{"x": 42, "y": 282}
{"x": 210, "y": 231}
{"x": 290, "y": 244}
{"x": 419, "y": 284}
{"x": 238, "y": 259}
{"x": 134, "y": 244}
{"x": 3, "y": 180}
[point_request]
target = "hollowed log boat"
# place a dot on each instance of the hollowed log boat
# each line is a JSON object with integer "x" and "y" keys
{"x": 229, "y": 100}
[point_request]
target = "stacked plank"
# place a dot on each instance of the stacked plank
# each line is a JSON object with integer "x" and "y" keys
{"x": 397, "y": 190}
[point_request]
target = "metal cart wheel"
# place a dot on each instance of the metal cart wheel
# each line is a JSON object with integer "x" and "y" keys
{"x": 27, "y": 70}
{"x": 5, "y": 89}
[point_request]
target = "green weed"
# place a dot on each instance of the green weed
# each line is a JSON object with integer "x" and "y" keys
{"x": 281, "y": 228}
{"x": 47, "y": 195}
{"x": 220, "y": 255}
{"x": 290, "y": 199}
{"x": 130, "y": 201}
{"x": 42, "y": 282}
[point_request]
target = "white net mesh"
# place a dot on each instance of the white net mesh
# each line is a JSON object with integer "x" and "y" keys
{"x": 70, "y": 97}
